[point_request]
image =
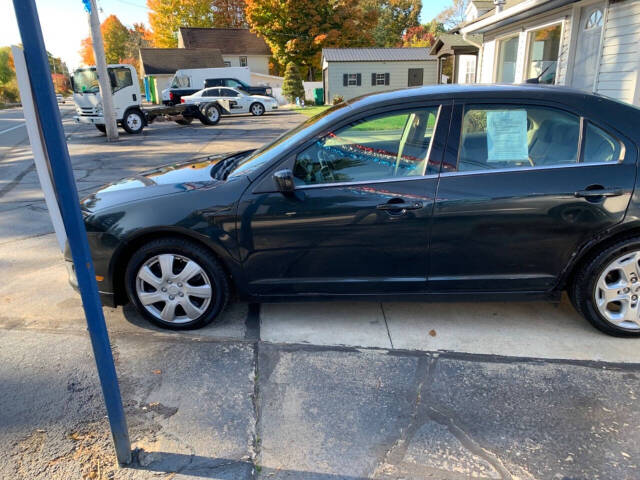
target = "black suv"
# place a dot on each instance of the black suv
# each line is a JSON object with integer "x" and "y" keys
{"x": 235, "y": 83}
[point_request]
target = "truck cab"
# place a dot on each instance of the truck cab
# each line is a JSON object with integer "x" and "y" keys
{"x": 125, "y": 89}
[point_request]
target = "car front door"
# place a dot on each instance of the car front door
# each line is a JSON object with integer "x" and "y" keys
{"x": 521, "y": 188}
{"x": 237, "y": 102}
{"x": 358, "y": 219}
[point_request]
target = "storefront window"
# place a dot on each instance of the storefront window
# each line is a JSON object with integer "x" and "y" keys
{"x": 544, "y": 50}
{"x": 507, "y": 56}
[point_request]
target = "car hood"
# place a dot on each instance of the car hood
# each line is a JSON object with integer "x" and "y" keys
{"x": 164, "y": 180}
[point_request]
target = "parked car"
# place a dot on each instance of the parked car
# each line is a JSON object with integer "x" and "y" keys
{"x": 438, "y": 193}
{"x": 190, "y": 80}
{"x": 239, "y": 84}
{"x": 239, "y": 101}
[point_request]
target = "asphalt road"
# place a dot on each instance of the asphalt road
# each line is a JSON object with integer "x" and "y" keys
{"x": 323, "y": 391}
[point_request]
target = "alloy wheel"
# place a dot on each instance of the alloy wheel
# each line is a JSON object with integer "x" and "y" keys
{"x": 617, "y": 291}
{"x": 173, "y": 288}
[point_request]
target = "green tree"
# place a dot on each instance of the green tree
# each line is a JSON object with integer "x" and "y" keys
{"x": 7, "y": 69}
{"x": 167, "y": 16}
{"x": 298, "y": 30}
{"x": 115, "y": 36}
{"x": 292, "y": 85}
{"x": 422, "y": 35}
{"x": 394, "y": 18}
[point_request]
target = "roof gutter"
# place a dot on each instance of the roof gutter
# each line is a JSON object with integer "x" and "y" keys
{"x": 516, "y": 13}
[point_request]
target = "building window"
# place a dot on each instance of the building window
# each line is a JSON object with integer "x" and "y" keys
{"x": 380, "y": 79}
{"x": 507, "y": 56}
{"x": 351, "y": 79}
{"x": 594, "y": 20}
{"x": 467, "y": 64}
{"x": 227, "y": 64}
{"x": 544, "y": 50}
{"x": 243, "y": 61}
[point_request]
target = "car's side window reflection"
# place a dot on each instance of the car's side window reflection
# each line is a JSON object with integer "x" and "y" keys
{"x": 379, "y": 147}
{"x": 517, "y": 136}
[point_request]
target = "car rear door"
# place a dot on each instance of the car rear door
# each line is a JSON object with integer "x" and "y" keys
{"x": 521, "y": 188}
{"x": 358, "y": 219}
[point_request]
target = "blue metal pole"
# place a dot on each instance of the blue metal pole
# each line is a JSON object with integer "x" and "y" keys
{"x": 62, "y": 173}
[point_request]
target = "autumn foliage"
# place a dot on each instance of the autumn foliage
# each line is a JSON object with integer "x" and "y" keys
{"x": 298, "y": 30}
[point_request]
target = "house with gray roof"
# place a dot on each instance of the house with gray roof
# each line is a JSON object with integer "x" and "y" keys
{"x": 351, "y": 72}
{"x": 591, "y": 45}
{"x": 239, "y": 46}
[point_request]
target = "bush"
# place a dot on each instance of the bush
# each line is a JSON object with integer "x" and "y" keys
{"x": 338, "y": 99}
{"x": 9, "y": 92}
{"x": 292, "y": 85}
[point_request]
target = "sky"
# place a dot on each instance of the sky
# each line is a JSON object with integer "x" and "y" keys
{"x": 64, "y": 22}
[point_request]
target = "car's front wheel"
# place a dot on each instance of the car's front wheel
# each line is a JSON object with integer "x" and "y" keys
{"x": 606, "y": 289}
{"x": 176, "y": 284}
{"x": 257, "y": 109}
{"x": 133, "y": 122}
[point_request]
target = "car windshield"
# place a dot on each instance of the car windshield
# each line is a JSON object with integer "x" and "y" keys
{"x": 85, "y": 80}
{"x": 260, "y": 156}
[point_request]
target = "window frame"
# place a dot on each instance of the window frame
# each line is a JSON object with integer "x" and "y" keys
{"x": 457, "y": 119}
{"x": 442, "y": 118}
{"x": 244, "y": 61}
{"x": 496, "y": 64}
{"x": 527, "y": 57}
{"x": 380, "y": 79}
{"x": 355, "y": 79}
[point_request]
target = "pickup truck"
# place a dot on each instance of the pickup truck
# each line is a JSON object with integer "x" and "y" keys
{"x": 175, "y": 94}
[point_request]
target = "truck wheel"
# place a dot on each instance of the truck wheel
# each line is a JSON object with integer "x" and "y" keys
{"x": 133, "y": 122}
{"x": 185, "y": 121}
{"x": 256, "y": 109}
{"x": 102, "y": 128}
{"x": 210, "y": 114}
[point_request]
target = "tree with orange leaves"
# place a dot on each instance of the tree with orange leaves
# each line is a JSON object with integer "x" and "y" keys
{"x": 298, "y": 30}
{"x": 86, "y": 52}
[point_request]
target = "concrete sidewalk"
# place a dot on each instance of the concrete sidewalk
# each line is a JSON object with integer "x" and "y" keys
{"x": 201, "y": 408}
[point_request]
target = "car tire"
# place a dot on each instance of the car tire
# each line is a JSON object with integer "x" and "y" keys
{"x": 256, "y": 109}
{"x": 607, "y": 285}
{"x": 175, "y": 297}
{"x": 210, "y": 114}
{"x": 102, "y": 128}
{"x": 133, "y": 122}
{"x": 185, "y": 121}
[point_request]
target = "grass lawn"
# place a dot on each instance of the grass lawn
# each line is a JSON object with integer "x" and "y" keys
{"x": 312, "y": 110}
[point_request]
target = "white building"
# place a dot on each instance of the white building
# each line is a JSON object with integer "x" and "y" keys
{"x": 350, "y": 72}
{"x": 239, "y": 46}
{"x": 589, "y": 44}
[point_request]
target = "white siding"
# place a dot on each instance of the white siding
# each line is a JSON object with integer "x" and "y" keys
{"x": 398, "y": 76}
{"x": 256, "y": 63}
{"x": 486, "y": 67}
{"x": 563, "y": 58}
{"x": 620, "y": 62}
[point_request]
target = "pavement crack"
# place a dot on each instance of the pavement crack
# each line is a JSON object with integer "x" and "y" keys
{"x": 255, "y": 441}
{"x": 386, "y": 324}
{"x": 14, "y": 183}
{"x": 467, "y": 442}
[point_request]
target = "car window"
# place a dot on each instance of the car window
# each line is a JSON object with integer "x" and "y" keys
{"x": 233, "y": 83}
{"x": 517, "y": 137}
{"x": 211, "y": 92}
{"x": 226, "y": 92}
{"x": 120, "y": 78}
{"x": 599, "y": 146}
{"x": 383, "y": 146}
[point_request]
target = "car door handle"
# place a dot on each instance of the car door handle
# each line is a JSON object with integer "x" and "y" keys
{"x": 400, "y": 206}
{"x": 601, "y": 192}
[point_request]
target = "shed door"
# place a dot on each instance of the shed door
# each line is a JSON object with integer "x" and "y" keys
{"x": 588, "y": 47}
{"x": 415, "y": 76}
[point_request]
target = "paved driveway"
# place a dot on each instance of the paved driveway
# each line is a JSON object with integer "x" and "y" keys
{"x": 309, "y": 390}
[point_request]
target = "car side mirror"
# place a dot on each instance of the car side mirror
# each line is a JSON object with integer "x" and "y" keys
{"x": 284, "y": 181}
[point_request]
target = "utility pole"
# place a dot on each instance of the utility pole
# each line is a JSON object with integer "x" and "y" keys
{"x": 101, "y": 69}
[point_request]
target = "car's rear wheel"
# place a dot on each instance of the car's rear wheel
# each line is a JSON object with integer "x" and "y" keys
{"x": 606, "y": 289}
{"x": 210, "y": 114}
{"x": 176, "y": 284}
{"x": 256, "y": 109}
